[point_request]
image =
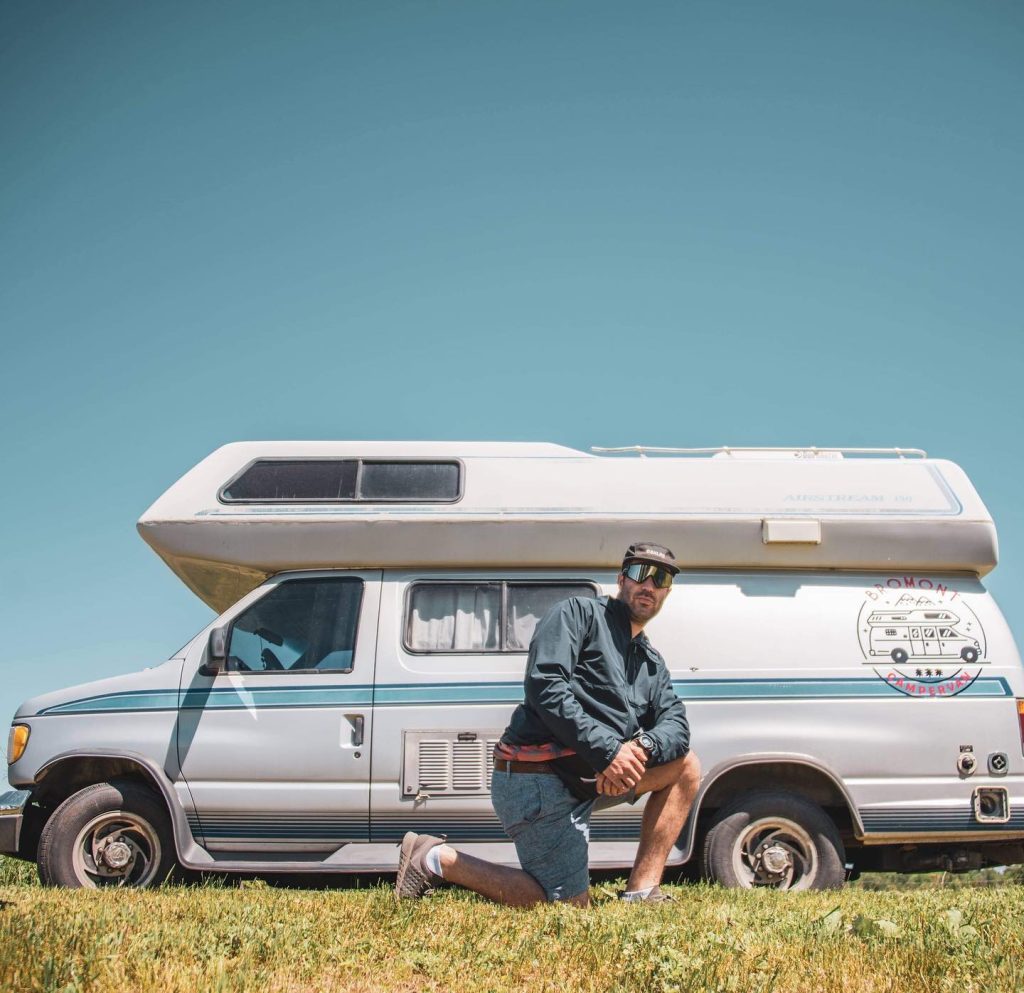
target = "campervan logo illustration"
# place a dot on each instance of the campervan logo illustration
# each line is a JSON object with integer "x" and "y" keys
{"x": 921, "y": 637}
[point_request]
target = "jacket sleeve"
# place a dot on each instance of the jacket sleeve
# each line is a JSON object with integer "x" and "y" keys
{"x": 554, "y": 652}
{"x": 671, "y": 729}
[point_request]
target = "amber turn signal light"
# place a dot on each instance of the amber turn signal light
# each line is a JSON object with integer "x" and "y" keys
{"x": 16, "y": 742}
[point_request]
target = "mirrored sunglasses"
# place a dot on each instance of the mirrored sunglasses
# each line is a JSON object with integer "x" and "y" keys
{"x": 640, "y": 571}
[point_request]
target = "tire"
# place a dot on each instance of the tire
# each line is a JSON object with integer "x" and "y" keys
{"x": 121, "y": 821}
{"x": 898, "y": 656}
{"x": 969, "y": 655}
{"x": 774, "y": 840}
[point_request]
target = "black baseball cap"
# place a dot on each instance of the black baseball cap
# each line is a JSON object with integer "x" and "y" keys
{"x": 647, "y": 551}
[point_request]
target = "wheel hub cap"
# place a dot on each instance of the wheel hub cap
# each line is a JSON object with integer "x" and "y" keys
{"x": 776, "y": 860}
{"x": 116, "y": 854}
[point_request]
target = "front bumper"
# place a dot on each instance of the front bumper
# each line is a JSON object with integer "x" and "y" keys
{"x": 12, "y": 812}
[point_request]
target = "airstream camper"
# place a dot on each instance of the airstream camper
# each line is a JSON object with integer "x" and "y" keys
{"x": 854, "y": 692}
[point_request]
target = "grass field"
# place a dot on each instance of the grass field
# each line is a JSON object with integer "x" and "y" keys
{"x": 257, "y": 937}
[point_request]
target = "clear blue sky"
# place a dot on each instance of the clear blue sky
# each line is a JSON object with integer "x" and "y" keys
{"x": 587, "y": 223}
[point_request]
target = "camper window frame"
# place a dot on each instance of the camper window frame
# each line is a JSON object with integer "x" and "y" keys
{"x": 228, "y": 668}
{"x": 502, "y": 581}
{"x": 342, "y": 501}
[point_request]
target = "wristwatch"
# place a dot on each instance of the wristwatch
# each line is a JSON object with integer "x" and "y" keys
{"x": 646, "y": 742}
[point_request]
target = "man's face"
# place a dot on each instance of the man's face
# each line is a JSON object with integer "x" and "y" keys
{"x": 642, "y": 600}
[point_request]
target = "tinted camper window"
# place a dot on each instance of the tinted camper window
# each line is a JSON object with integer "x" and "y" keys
{"x": 344, "y": 481}
{"x": 409, "y": 481}
{"x": 481, "y": 617}
{"x": 320, "y": 479}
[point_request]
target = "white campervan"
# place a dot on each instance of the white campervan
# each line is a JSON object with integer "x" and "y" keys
{"x": 854, "y": 692}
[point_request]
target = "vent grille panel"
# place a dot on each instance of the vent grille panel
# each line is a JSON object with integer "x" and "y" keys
{"x": 435, "y": 766}
{"x": 468, "y": 768}
{"x": 448, "y": 763}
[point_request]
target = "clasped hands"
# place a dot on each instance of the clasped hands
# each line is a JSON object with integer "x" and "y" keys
{"x": 625, "y": 770}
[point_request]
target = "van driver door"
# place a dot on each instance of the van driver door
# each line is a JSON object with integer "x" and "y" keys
{"x": 275, "y": 750}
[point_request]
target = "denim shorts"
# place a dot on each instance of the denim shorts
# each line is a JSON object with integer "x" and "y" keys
{"x": 550, "y": 828}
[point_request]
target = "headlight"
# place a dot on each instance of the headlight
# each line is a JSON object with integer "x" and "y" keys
{"x": 16, "y": 742}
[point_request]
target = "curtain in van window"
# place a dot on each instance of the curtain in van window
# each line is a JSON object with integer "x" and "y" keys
{"x": 527, "y": 604}
{"x": 454, "y": 618}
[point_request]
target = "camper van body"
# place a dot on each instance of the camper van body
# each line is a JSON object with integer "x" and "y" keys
{"x": 371, "y": 645}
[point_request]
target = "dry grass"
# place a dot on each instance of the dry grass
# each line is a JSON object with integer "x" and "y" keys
{"x": 257, "y": 937}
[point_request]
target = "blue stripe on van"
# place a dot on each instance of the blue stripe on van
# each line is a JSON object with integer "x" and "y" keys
{"x": 221, "y": 698}
{"x": 118, "y": 702}
{"x": 816, "y": 689}
{"x": 300, "y": 826}
{"x": 483, "y": 826}
{"x": 424, "y": 694}
{"x": 432, "y": 694}
{"x": 933, "y": 820}
{"x": 246, "y": 698}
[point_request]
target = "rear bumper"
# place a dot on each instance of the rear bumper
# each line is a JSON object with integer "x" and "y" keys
{"x": 12, "y": 812}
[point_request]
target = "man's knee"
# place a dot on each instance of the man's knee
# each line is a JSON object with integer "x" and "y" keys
{"x": 691, "y": 769}
{"x": 681, "y": 774}
{"x": 688, "y": 772}
{"x": 685, "y": 769}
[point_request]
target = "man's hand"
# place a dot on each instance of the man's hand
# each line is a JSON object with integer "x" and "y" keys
{"x": 624, "y": 771}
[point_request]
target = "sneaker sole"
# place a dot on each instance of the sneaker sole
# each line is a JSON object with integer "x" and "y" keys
{"x": 407, "y": 888}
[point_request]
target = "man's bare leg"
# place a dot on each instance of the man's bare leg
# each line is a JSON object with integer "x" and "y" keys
{"x": 673, "y": 787}
{"x": 499, "y": 883}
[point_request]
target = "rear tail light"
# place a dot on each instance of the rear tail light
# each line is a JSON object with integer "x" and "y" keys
{"x": 1020, "y": 721}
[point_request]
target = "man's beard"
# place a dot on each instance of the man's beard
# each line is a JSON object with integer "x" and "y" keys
{"x": 641, "y": 610}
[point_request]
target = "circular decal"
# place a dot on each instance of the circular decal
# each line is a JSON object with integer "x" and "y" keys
{"x": 920, "y": 636}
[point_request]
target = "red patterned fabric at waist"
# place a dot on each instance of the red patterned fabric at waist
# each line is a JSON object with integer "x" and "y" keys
{"x": 531, "y": 753}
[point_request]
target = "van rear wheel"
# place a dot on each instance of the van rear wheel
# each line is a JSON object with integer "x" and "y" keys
{"x": 109, "y": 834}
{"x": 775, "y": 840}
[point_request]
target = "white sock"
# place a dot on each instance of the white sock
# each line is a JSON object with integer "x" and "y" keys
{"x": 632, "y": 895}
{"x": 433, "y": 861}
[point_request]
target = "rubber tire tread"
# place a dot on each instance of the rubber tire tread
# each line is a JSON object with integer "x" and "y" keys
{"x": 731, "y": 821}
{"x": 54, "y": 858}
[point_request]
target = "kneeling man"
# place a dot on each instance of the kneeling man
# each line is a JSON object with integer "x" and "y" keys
{"x": 600, "y": 720}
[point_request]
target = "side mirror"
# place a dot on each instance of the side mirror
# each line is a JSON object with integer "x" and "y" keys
{"x": 216, "y": 652}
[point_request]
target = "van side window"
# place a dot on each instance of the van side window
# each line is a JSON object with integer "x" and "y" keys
{"x": 455, "y": 617}
{"x": 344, "y": 481}
{"x": 527, "y": 604}
{"x": 481, "y": 617}
{"x": 305, "y": 625}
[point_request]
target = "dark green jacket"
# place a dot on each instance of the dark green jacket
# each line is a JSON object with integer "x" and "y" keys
{"x": 590, "y": 686}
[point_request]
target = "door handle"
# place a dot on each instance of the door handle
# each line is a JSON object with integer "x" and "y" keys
{"x": 358, "y": 723}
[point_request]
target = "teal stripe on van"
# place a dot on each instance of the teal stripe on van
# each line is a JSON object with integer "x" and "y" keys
{"x": 232, "y": 698}
{"x": 424, "y": 694}
{"x": 221, "y": 698}
{"x": 118, "y": 703}
{"x": 434, "y": 694}
{"x": 817, "y": 689}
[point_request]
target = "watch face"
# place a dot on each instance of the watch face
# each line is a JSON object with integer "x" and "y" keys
{"x": 646, "y": 741}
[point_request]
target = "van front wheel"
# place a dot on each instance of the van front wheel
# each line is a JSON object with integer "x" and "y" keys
{"x": 776, "y": 840}
{"x": 109, "y": 834}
